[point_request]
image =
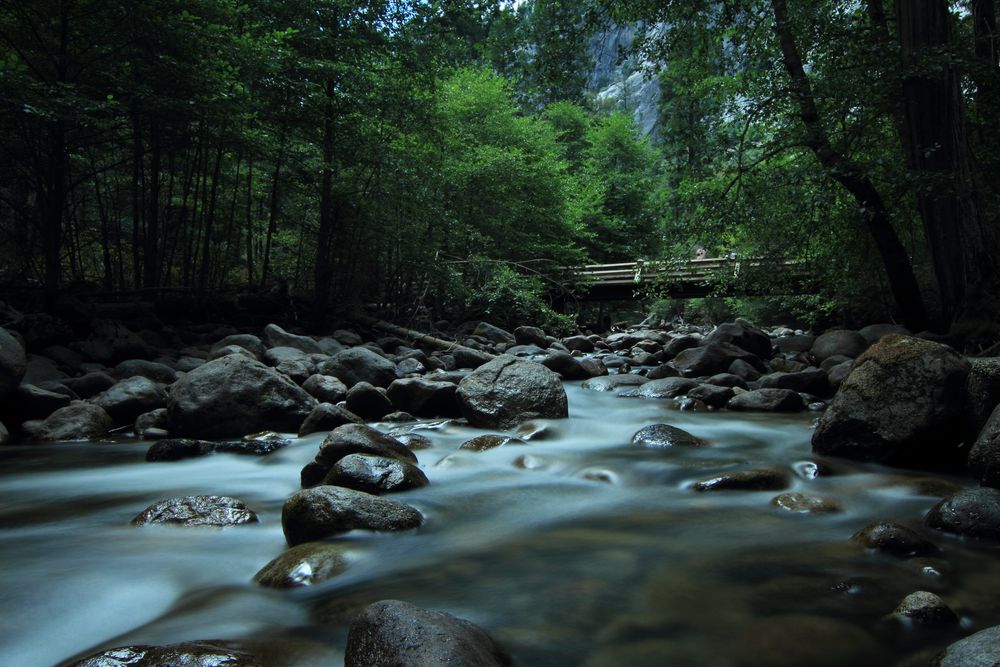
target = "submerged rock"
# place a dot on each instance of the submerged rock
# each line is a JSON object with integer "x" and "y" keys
{"x": 197, "y": 511}
{"x": 761, "y": 479}
{"x": 894, "y": 539}
{"x": 482, "y": 443}
{"x": 391, "y": 633}
{"x": 658, "y": 436}
{"x": 303, "y": 565}
{"x": 505, "y": 392}
{"x": 926, "y": 609}
{"x": 803, "y": 503}
{"x": 324, "y": 511}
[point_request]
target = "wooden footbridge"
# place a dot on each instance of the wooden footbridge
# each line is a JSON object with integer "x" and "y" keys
{"x": 684, "y": 280}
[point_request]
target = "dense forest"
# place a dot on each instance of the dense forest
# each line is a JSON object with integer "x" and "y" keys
{"x": 449, "y": 157}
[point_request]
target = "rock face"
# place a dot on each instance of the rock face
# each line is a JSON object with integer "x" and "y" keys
{"x": 970, "y": 512}
{"x": 197, "y": 511}
{"x": 233, "y": 396}
{"x": 901, "y": 405}
{"x": 77, "y": 421}
{"x": 505, "y": 392}
{"x": 330, "y": 510}
{"x": 391, "y": 633}
{"x": 359, "y": 364}
{"x": 13, "y": 363}
{"x": 979, "y": 650}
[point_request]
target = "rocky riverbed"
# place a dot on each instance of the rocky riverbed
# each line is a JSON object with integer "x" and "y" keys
{"x": 645, "y": 497}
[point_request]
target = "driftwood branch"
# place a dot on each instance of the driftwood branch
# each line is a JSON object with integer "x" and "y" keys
{"x": 412, "y": 335}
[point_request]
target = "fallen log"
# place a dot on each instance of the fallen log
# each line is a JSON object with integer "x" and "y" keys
{"x": 413, "y": 335}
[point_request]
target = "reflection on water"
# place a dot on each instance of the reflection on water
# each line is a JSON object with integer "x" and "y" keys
{"x": 576, "y": 548}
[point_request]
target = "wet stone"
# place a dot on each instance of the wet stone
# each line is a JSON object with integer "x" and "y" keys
{"x": 614, "y": 382}
{"x": 926, "y": 609}
{"x": 375, "y": 474}
{"x": 761, "y": 479}
{"x": 894, "y": 539}
{"x": 802, "y": 503}
{"x": 197, "y": 511}
{"x": 303, "y": 565}
{"x": 482, "y": 443}
{"x": 325, "y": 511}
{"x": 657, "y": 436}
{"x": 414, "y": 441}
{"x": 970, "y": 512}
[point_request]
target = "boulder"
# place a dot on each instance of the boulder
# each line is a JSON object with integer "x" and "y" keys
{"x": 743, "y": 369}
{"x": 970, "y": 512}
{"x": 659, "y": 436}
{"x": 13, "y": 363}
{"x": 578, "y": 343}
{"x": 154, "y": 419}
{"x": 926, "y": 609}
{"x": 983, "y": 394}
{"x": 324, "y": 511}
{"x": 327, "y": 417}
{"x": 506, "y": 392}
{"x": 813, "y": 382}
{"x": 325, "y": 388}
{"x": 766, "y": 400}
{"x": 667, "y": 387}
{"x": 744, "y": 335}
{"x": 130, "y": 398}
{"x": 77, "y": 421}
{"x": 894, "y": 539}
{"x": 375, "y": 474}
{"x": 359, "y": 364}
{"x": 979, "y": 650}
{"x": 367, "y": 402}
{"x": 841, "y": 342}
{"x": 391, "y": 633}
{"x": 494, "y": 334}
{"x": 248, "y": 342}
{"x": 41, "y": 369}
{"x": 111, "y": 341}
{"x": 31, "y": 402}
{"x": 275, "y": 336}
{"x": 711, "y": 395}
{"x": 303, "y": 565}
{"x": 525, "y": 335}
{"x": 873, "y": 333}
{"x": 565, "y": 365}
{"x": 5, "y": 438}
{"x": 794, "y": 343}
{"x": 467, "y": 357}
{"x": 901, "y": 405}
{"x": 197, "y": 511}
{"x": 761, "y": 479}
{"x": 41, "y": 330}
{"x": 594, "y": 367}
{"x": 424, "y": 397}
{"x": 675, "y": 346}
{"x": 712, "y": 358}
{"x": 219, "y": 352}
{"x": 235, "y": 395}
{"x": 984, "y": 457}
{"x": 727, "y": 380}
{"x": 155, "y": 371}
{"x": 662, "y": 372}
{"x": 352, "y": 439}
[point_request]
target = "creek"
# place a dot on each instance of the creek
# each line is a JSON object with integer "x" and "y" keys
{"x": 578, "y": 548}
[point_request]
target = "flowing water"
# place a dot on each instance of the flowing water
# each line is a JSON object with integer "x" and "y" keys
{"x": 576, "y": 549}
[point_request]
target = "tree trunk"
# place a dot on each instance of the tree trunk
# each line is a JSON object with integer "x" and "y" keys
{"x": 934, "y": 134}
{"x": 206, "y": 251}
{"x": 272, "y": 216}
{"x": 151, "y": 244}
{"x": 902, "y": 281}
{"x": 323, "y": 271}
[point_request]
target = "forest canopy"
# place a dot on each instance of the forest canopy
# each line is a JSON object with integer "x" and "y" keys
{"x": 454, "y": 157}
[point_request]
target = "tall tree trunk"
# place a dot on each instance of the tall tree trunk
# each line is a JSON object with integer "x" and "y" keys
{"x": 902, "y": 281}
{"x": 248, "y": 215}
{"x": 934, "y": 134}
{"x": 206, "y": 251}
{"x": 323, "y": 270}
{"x": 151, "y": 245}
{"x": 52, "y": 205}
{"x": 272, "y": 216}
{"x": 138, "y": 194}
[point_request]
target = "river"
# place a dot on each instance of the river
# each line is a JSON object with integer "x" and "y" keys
{"x": 578, "y": 548}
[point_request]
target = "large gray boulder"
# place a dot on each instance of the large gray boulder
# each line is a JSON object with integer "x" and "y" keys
{"x": 77, "y": 421}
{"x": 324, "y": 511}
{"x": 984, "y": 457}
{"x": 901, "y": 405}
{"x": 359, "y": 364}
{"x": 275, "y": 336}
{"x": 979, "y": 650}
{"x": 13, "y": 363}
{"x": 506, "y": 392}
{"x": 233, "y": 396}
{"x": 843, "y": 342}
{"x": 712, "y": 358}
{"x": 744, "y": 335}
{"x": 130, "y": 398}
{"x": 494, "y": 334}
{"x": 248, "y": 342}
{"x": 392, "y": 633}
